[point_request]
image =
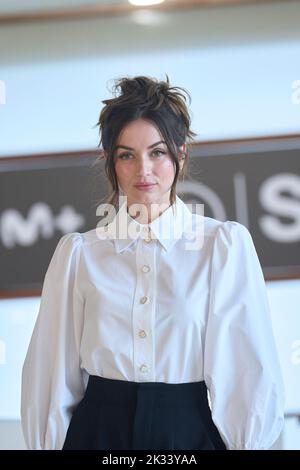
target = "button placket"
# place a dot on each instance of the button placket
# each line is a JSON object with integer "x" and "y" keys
{"x": 147, "y": 235}
{"x": 146, "y": 268}
{"x": 144, "y": 299}
{"x": 143, "y": 312}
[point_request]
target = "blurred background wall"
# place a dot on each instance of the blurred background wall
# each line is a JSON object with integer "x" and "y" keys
{"x": 240, "y": 62}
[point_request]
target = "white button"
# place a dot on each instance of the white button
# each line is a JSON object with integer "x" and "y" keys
{"x": 143, "y": 300}
{"x": 146, "y": 268}
{"x": 147, "y": 240}
{"x": 142, "y": 334}
{"x": 144, "y": 368}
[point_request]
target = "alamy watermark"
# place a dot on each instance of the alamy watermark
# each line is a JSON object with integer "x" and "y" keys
{"x": 2, "y": 92}
{"x": 124, "y": 227}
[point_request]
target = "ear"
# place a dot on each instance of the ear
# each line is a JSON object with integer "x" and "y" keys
{"x": 182, "y": 155}
{"x": 103, "y": 155}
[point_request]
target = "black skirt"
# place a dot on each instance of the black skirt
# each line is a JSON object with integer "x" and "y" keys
{"x": 124, "y": 415}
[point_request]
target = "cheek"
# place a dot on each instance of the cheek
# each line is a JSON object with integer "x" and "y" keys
{"x": 122, "y": 172}
{"x": 166, "y": 169}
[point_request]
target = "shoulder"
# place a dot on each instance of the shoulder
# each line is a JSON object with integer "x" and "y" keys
{"x": 212, "y": 233}
{"x": 66, "y": 250}
{"x": 70, "y": 249}
{"x": 213, "y": 227}
{"x": 76, "y": 239}
{"x": 70, "y": 239}
{"x": 227, "y": 230}
{"x": 68, "y": 243}
{"x": 230, "y": 240}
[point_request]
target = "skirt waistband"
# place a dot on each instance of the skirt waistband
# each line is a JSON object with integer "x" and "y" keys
{"x": 167, "y": 394}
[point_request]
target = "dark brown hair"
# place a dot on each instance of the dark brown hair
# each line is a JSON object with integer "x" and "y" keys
{"x": 151, "y": 99}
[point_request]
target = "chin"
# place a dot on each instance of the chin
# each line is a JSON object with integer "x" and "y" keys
{"x": 146, "y": 199}
{"x": 144, "y": 196}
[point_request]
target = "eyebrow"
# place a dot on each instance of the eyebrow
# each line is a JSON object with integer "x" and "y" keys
{"x": 150, "y": 146}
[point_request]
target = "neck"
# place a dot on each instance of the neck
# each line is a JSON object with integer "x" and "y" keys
{"x": 146, "y": 213}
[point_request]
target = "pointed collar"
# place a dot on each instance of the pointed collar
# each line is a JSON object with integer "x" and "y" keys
{"x": 167, "y": 228}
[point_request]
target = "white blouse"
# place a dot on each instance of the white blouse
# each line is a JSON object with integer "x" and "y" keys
{"x": 182, "y": 299}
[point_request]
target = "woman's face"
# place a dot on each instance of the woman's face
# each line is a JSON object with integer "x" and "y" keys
{"x": 142, "y": 158}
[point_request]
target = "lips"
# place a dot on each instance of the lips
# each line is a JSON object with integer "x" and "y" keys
{"x": 144, "y": 185}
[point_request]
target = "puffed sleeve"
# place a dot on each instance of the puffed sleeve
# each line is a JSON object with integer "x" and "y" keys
{"x": 241, "y": 366}
{"x": 52, "y": 382}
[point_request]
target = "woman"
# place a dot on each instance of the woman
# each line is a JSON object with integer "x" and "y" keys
{"x": 141, "y": 317}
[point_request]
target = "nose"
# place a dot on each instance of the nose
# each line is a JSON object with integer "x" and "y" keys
{"x": 143, "y": 167}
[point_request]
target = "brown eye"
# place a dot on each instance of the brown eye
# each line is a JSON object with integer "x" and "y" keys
{"x": 159, "y": 152}
{"x": 124, "y": 156}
